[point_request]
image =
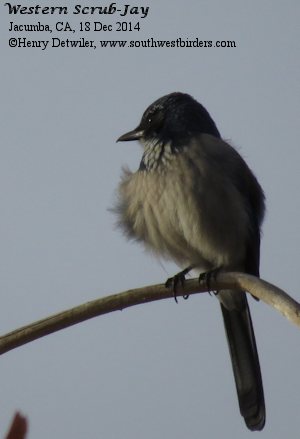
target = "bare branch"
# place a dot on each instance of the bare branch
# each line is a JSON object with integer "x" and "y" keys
{"x": 263, "y": 290}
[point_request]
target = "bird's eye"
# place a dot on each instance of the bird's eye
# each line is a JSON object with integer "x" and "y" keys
{"x": 152, "y": 119}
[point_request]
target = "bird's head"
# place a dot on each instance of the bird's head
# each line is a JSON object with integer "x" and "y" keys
{"x": 172, "y": 119}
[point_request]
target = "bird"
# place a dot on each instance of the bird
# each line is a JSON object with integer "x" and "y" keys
{"x": 195, "y": 201}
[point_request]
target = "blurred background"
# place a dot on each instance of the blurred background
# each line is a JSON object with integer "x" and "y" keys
{"x": 159, "y": 370}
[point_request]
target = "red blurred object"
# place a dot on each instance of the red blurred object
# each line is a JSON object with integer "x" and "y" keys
{"x": 18, "y": 428}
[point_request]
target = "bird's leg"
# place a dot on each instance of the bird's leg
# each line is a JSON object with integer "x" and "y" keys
{"x": 179, "y": 278}
{"x": 208, "y": 275}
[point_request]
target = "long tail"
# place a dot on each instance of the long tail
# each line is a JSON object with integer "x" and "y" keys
{"x": 245, "y": 364}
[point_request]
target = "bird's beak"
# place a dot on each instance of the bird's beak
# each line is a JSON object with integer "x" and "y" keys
{"x": 135, "y": 134}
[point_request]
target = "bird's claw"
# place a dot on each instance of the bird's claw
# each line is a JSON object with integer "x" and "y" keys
{"x": 173, "y": 282}
{"x": 207, "y": 276}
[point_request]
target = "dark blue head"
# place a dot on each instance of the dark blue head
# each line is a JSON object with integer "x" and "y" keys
{"x": 174, "y": 119}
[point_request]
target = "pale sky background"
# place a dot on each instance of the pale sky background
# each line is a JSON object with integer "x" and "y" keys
{"x": 160, "y": 370}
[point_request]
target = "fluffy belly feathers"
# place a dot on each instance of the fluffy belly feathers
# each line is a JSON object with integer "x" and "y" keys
{"x": 164, "y": 212}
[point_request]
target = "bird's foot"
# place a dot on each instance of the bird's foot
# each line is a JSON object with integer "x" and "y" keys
{"x": 207, "y": 276}
{"x": 178, "y": 279}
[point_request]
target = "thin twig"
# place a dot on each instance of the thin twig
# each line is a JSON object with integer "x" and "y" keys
{"x": 263, "y": 290}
